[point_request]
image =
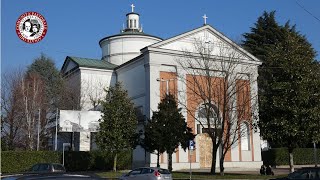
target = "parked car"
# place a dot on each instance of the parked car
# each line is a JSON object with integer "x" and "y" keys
{"x": 47, "y": 168}
{"x": 51, "y": 176}
{"x": 147, "y": 173}
{"x": 304, "y": 173}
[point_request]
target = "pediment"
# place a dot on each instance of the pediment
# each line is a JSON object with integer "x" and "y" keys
{"x": 68, "y": 65}
{"x": 209, "y": 38}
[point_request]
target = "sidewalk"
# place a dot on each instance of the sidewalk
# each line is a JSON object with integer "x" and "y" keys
{"x": 238, "y": 170}
{"x": 279, "y": 170}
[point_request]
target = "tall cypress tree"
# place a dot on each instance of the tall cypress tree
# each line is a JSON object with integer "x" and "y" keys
{"x": 286, "y": 82}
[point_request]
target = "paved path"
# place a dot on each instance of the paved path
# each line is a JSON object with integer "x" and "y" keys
{"x": 279, "y": 170}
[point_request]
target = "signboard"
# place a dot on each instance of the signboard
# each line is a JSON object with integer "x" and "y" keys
{"x": 79, "y": 121}
{"x": 192, "y": 145}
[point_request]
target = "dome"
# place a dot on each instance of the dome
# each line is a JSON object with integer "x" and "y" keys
{"x": 120, "y": 48}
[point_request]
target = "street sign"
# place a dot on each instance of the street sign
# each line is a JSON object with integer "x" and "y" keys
{"x": 192, "y": 145}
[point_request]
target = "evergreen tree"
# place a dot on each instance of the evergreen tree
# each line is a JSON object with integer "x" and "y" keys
{"x": 54, "y": 83}
{"x": 118, "y": 124}
{"x": 167, "y": 129}
{"x": 153, "y": 138}
{"x": 286, "y": 82}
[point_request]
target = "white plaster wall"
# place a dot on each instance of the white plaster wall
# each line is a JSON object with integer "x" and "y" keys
{"x": 246, "y": 155}
{"x": 93, "y": 82}
{"x": 132, "y": 78}
{"x": 248, "y": 164}
{"x": 183, "y": 156}
{"x": 120, "y": 49}
{"x": 254, "y": 101}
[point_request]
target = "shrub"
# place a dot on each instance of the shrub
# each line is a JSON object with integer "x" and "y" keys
{"x": 20, "y": 161}
{"x": 280, "y": 156}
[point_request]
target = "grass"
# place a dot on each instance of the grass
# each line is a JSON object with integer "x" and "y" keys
{"x": 197, "y": 175}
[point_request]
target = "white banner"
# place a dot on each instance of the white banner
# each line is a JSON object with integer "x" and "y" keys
{"x": 79, "y": 121}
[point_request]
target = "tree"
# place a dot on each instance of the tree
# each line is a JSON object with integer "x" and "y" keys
{"x": 219, "y": 96}
{"x": 11, "y": 109}
{"x": 54, "y": 83}
{"x": 152, "y": 140}
{"x": 167, "y": 129}
{"x": 287, "y": 84}
{"x": 118, "y": 123}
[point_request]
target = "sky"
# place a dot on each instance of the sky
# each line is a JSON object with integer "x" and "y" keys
{"x": 76, "y": 26}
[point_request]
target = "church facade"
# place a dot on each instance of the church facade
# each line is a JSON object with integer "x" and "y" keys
{"x": 149, "y": 67}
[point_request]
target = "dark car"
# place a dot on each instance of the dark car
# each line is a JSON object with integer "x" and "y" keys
{"x": 51, "y": 176}
{"x": 147, "y": 173}
{"x": 304, "y": 173}
{"x": 47, "y": 168}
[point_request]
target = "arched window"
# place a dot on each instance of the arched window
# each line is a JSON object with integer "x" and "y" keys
{"x": 205, "y": 112}
{"x": 245, "y": 136}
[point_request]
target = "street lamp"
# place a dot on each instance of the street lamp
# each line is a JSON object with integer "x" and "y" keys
{"x": 167, "y": 81}
{"x": 64, "y": 145}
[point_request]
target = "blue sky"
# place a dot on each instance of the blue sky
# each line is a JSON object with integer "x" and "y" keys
{"x": 76, "y": 26}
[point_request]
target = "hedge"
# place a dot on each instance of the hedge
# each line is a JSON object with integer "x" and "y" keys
{"x": 280, "y": 156}
{"x": 21, "y": 161}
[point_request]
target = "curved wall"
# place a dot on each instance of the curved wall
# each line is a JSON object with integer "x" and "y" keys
{"x": 122, "y": 48}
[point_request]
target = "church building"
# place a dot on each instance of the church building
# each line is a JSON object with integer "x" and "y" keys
{"x": 148, "y": 67}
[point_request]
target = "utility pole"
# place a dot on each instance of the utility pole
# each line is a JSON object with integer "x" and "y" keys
{"x": 38, "y": 141}
{"x": 56, "y": 137}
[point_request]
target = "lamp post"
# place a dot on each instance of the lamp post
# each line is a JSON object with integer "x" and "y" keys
{"x": 64, "y": 145}
{"x": 167, "y": 82}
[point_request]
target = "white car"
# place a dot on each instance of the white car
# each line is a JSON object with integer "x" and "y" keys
{"x": 147, "y": 173}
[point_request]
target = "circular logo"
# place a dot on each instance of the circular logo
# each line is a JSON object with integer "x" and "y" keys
{"x": 31, "y": 27}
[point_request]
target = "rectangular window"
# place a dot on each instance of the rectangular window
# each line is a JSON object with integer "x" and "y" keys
{"x": 139, "y": 113}
{"x": 245, "y": 137}
{"x": 134, "y": 23}
{"x": 198, "y": 128}
{"x": 130, "y": 23}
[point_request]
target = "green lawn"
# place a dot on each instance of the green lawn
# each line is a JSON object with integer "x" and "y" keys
{"x": 198, "y": 175}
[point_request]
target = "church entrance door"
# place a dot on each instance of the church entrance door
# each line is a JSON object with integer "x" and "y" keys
{"x": 205, "y": 150}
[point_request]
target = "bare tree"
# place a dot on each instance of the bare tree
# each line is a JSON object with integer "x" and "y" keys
{"x": 32, "y": 89}
{"x": 217, "y": 80}
{"x": 11, "y": 108}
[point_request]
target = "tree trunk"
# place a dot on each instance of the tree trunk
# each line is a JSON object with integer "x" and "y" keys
{"x": 115, "y": 163}
{"x": 291, "y": 159}
{"x": 214, "y": 159}
{"x": 221, "y": 165}
{"x": 158, "y": 156}
{"x": 170, "y": 162}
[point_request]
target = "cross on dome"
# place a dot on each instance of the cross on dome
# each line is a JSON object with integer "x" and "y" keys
{"x": 205, "y": 19}
{"x": 132, "y": 7}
